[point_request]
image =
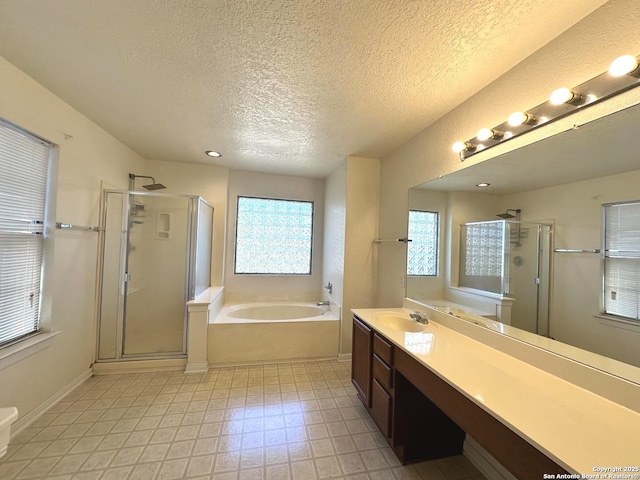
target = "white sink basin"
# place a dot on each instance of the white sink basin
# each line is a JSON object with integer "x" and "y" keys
{"x": 399, "y": 322}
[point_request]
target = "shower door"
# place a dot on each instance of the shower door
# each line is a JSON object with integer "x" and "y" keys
{"x": 144, "y": 275}
{"x": 528, "y": 282}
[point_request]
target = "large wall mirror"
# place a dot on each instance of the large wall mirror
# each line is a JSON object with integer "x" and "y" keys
{"x": 543, "y": 264}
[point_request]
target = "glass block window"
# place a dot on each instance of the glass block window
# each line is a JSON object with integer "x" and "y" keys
{"x": 622, "y": 260}
{"x": 422, "y": 251}
{"x": 273, "y": 237}
{"x": 483, "y": 247}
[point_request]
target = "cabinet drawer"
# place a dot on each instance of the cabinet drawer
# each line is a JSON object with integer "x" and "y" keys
{"x": 383, "y": 349}
{"x": 381, "y": 372}
{"x": 381, "y": 408}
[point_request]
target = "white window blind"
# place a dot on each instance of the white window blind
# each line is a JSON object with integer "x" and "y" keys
{"x": 24, "y": 161}
{"x": 622, "y": 260}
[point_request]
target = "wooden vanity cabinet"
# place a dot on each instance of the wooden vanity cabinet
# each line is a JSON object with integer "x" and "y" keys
{"x": 414, "y": 427}
{"x": 423, "y": 417}
{"x": 381, "y": 386}
{"x": 361, "y": 360}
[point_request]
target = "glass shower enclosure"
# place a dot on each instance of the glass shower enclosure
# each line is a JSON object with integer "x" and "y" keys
{"x": 510, "y": 258}
{"x": 156, "y": 255}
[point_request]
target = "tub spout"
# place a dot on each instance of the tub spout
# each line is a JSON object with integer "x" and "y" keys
{"x": 324, "y": 303}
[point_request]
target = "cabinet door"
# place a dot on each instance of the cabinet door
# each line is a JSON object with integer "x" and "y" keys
{"x": 381, "y": 408}
{"x": 361, "y": 360}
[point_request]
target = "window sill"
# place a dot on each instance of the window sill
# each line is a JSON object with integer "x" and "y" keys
{"x": 618, "y": 322}
{"x": 27, "y": 347}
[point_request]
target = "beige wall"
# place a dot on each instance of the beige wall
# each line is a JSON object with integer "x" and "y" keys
{"x": 360, "y": 253}
{"x": 274, "y": 287}
{"x": 335, "y": 211}
{"x": 582, "y": 52}
{"x": 88, "y": 157}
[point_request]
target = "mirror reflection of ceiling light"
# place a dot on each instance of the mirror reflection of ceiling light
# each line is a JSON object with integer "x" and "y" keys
{"x": 483, "y": 184}
{"x": 624, "y": 65}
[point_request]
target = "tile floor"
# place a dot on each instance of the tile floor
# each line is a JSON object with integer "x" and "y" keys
{"x": 297, "y": 421}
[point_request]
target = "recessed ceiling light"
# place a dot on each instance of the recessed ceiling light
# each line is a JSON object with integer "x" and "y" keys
{"x": 483, "y": 184}
{"x": 211, "y": 153}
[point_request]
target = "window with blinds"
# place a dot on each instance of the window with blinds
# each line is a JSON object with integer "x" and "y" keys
{"x": 622, "y": 260}
{"x": 24, "y": 163}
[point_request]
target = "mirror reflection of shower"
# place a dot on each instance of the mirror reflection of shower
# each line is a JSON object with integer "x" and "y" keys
{"x": 150, "y": 186}
{"x": 516, "y": 234}
{"x": 501, "y": 257}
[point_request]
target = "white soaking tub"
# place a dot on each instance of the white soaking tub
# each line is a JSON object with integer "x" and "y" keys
{"x": 259, "y": 332}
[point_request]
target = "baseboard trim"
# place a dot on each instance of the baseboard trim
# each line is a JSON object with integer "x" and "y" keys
{"x": 139, "y": 366}
{"x": 344, "y": 357}
{"x": 269, "y": 362}
{"x": 202, "y": 367}
{"x": 483, "y": 461}
{"x": 34, "y": 414}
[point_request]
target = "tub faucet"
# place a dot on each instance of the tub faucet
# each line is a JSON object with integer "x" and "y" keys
{"x": 420, "y": 317}
{"x": 323, "y": 303}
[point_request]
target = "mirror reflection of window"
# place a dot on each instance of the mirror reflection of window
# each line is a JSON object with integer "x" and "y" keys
{"x": 422, "y": 251}
{"x": 622, "y": 260}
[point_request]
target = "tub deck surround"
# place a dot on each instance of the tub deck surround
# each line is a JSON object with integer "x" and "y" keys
{"x": 273, "y": 331}
{"x": 574, "y": 427}
{"x": 200, "y": 312}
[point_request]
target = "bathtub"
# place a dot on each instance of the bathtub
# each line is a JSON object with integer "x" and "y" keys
{"x": 272, "y": 332}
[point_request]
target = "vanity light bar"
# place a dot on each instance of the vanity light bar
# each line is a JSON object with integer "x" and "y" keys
{"x": 623, "y": 75}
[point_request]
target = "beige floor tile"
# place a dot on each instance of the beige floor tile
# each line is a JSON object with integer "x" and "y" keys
{"x": 287, "y": 421}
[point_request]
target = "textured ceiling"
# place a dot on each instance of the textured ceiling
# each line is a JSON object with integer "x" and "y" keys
{"x": 281, "y": 86}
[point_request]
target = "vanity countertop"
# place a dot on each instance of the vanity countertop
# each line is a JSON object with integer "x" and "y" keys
{"x": 578, "y": 429}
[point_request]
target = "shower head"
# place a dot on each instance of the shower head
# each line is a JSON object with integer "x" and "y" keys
{"x": 151, "y": 186}
{"x": 154, "y": 186}
{"x": 506, "y": 215}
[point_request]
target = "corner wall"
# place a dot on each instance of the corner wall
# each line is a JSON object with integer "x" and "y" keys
{"x": 360, "y": 253}
{"x": 88, "y": 156}
{"x": 335, "y": 212}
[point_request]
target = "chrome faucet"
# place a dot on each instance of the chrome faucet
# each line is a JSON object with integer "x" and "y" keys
{"x": 419, "y": 317}
{"x": 324, "y": 303}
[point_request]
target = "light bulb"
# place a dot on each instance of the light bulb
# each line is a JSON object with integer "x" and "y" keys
{"x": 459, "y": 147}
{"x": 211, "y": 153}
{"x": 483, "y": 184}
{"x": 560, "y": 96}
{"x": 519, "y": 118}
{"x": 623, "y": 65}
{"x": 488, "y": 133}
{"x": 484, "y": 134}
